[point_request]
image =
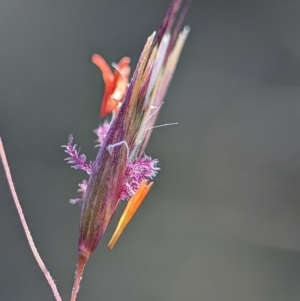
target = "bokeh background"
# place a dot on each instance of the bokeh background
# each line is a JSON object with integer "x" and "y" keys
{"x": 222, "y": 221}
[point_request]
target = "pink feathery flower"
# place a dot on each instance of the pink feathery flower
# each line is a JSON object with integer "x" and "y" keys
{"x": 78, "y": 161}
{"x": 82, "y": 189}
{"x": 136, "y": 172}
{"x": 101, "y": 132}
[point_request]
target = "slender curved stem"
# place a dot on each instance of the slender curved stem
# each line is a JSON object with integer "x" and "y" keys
{"x": 25, "y": 226}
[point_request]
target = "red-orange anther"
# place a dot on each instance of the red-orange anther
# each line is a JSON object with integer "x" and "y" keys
{"x": 115, "y": 83}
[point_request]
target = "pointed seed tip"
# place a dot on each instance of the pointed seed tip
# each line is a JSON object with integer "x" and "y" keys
{"x": 186, "y": 29}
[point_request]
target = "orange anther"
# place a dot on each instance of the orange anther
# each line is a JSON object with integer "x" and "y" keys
{"x": 115, "y": 83}
{"x": 131, "y": 208}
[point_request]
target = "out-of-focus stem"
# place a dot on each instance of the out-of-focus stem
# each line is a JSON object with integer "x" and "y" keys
{"x": 25, "y": 226}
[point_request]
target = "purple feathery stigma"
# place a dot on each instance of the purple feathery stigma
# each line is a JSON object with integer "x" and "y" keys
{"x": 82, "y": 189}
{"x": 137, "y": 171}
{"x": 78, "y": 161}
{"x": 101, "y": 132}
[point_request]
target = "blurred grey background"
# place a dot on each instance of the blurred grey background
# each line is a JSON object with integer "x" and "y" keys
{"x": 222, "y": 221}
